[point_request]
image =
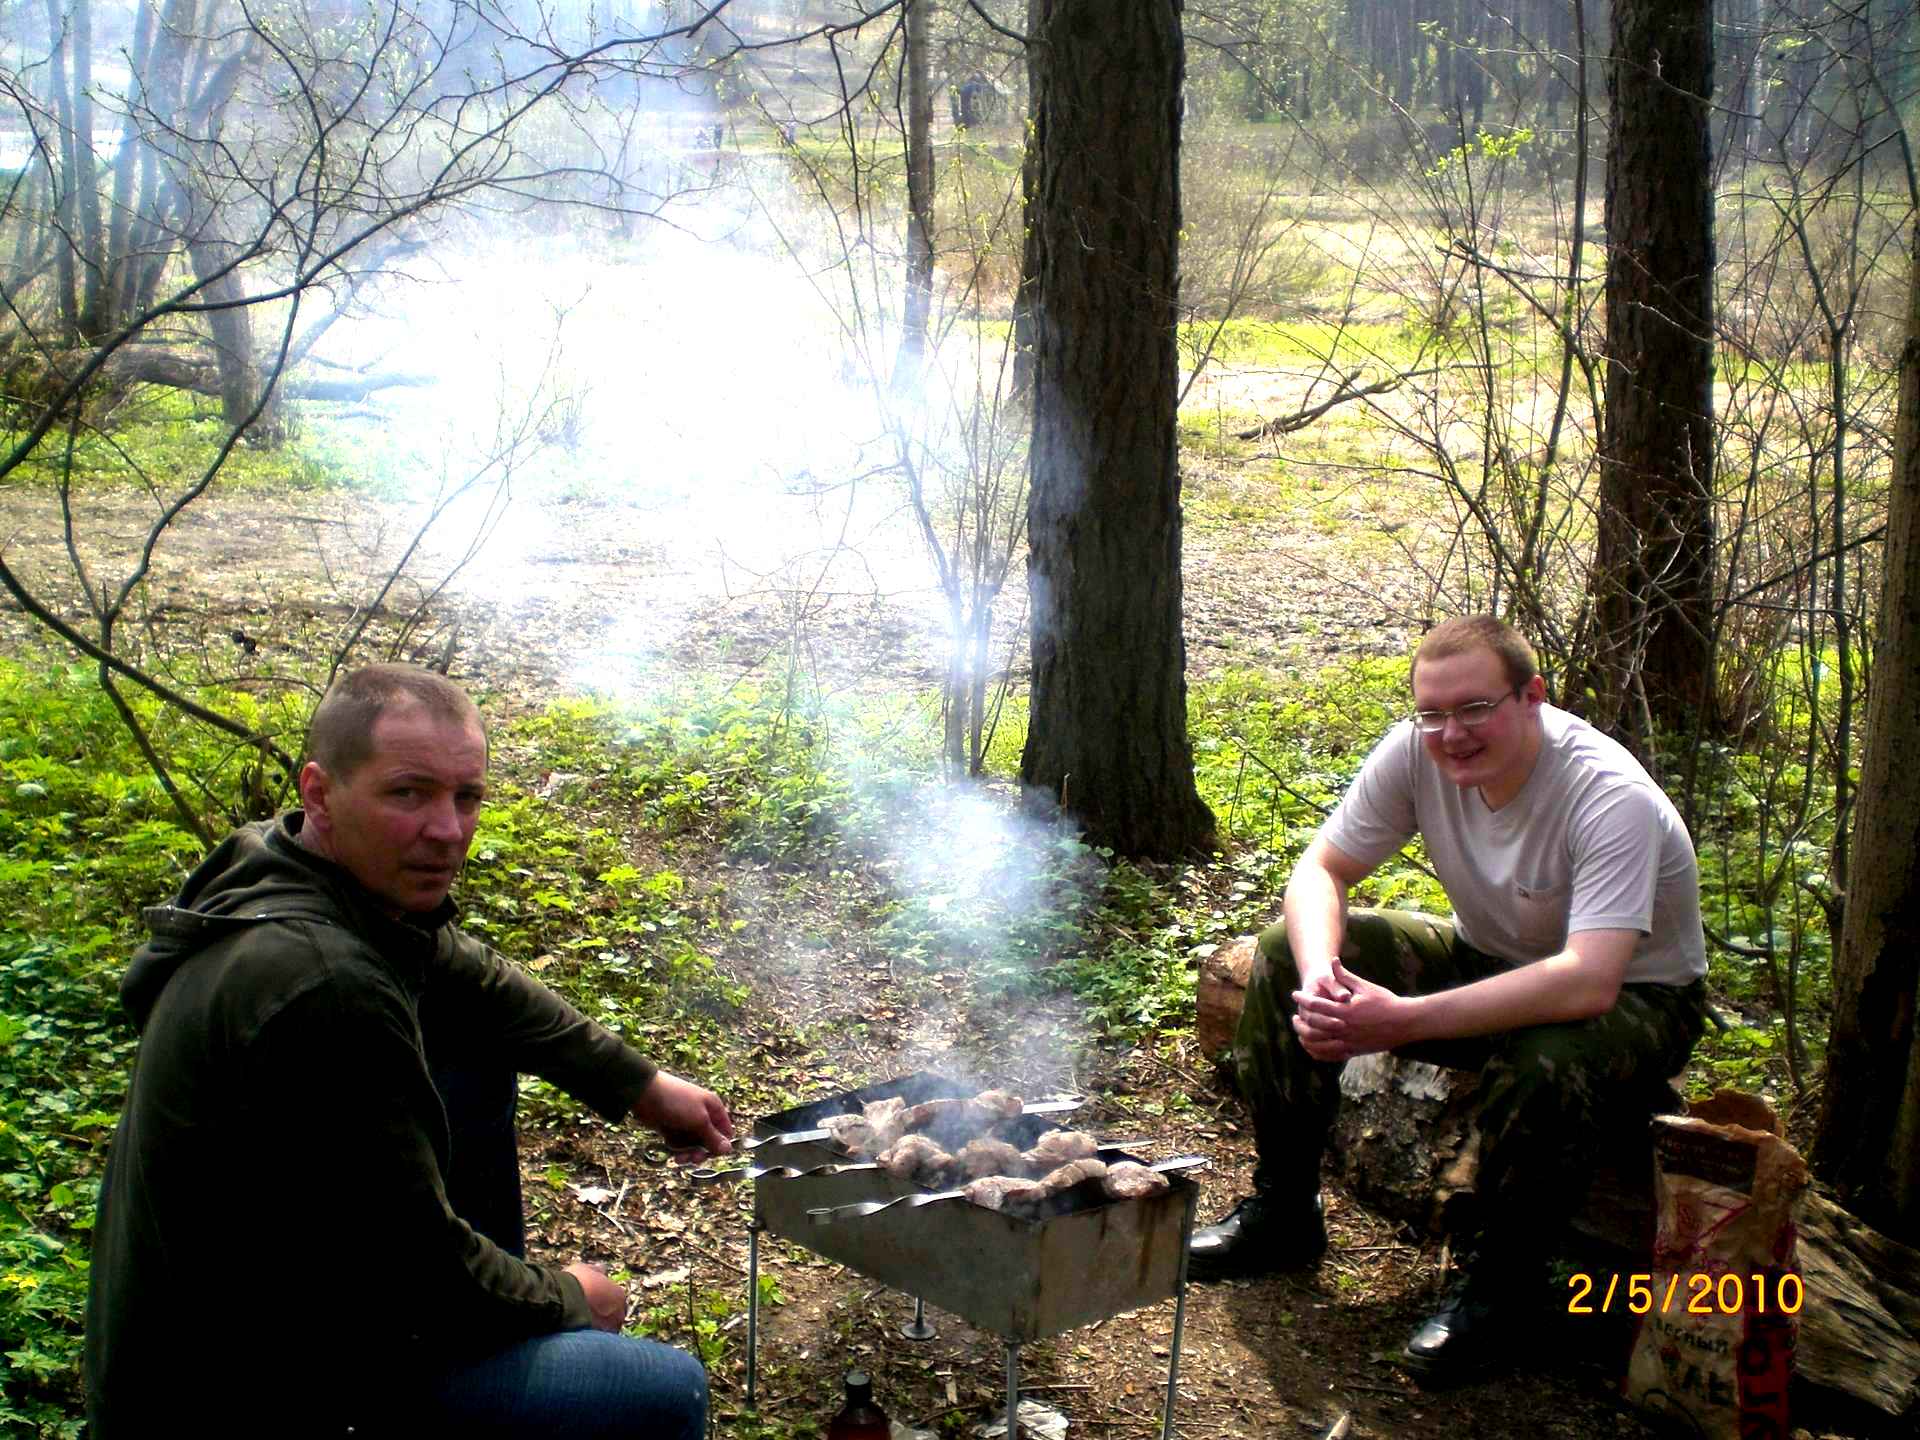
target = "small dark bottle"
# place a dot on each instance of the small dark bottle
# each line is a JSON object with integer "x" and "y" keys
{"x": 859, "y": 1418}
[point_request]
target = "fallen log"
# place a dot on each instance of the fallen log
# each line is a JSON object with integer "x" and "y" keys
{"x": 180, "y": 367}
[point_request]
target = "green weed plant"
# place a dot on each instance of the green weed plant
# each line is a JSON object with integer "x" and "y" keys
{"x": 87, "y": 838}
{"x": 162, "y": 434}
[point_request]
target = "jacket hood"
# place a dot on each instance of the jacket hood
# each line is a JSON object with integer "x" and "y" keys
{"x": 259, "y": 874}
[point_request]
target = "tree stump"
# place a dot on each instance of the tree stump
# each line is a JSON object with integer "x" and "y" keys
{"x": 1220, "y": 993}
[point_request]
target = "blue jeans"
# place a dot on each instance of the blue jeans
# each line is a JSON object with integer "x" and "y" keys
{"x": 580, "y": 1384}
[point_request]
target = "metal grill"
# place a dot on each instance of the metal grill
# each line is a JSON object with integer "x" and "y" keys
{"x": 1088, "y": 1257}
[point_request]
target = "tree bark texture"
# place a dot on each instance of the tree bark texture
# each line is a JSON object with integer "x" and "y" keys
{"x": 66, "y": 182}
{"x": 1652, "y": 583}
{"x": 919, "y": 297}
{"x": 1869, "y": 1143}
{"x": 1022, "y": 390}
{"x": 1108, "y": 736}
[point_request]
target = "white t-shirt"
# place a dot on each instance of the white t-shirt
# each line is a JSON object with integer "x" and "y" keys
{"x": 1589, "y": 843}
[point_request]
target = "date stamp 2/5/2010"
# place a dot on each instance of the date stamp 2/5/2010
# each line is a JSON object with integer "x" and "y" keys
{"x": 1686, "y": 1292}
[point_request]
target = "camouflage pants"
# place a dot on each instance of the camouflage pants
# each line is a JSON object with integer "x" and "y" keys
{"x": 1547, "y": 1096}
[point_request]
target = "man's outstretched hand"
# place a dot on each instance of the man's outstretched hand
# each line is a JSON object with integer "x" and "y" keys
{"x": 692, "y": 1119}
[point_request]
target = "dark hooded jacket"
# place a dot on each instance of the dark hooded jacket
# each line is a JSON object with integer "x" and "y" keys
{"x": 274, "y": 1252}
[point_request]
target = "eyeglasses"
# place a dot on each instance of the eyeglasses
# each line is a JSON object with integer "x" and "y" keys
{"x": 1473, "y": 715}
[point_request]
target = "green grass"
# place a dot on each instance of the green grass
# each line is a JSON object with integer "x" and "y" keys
{"x": 1254, "y": 343}
{"x": 171, "y": 436}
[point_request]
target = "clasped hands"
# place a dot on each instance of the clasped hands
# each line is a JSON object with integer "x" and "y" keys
{"x": 1339, "y": 1015}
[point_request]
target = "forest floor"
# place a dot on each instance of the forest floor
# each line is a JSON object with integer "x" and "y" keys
{"x": 596, "y": 593}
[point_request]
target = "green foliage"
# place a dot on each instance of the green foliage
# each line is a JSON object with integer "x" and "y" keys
{"x": 170, "y": 437}
{"x": 86, "y": 838}
{"x": 1487, "y": 147}
{"x": 702, "y": 1321}
{"x": 735, "y": 764}
{"x": 1272, "y": 758}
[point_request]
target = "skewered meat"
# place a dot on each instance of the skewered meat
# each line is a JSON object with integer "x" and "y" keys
{"x": 1057, "y": 1147}
{"x": 964, "y": 1117}
{"x": 882, "y": 1123}
{"x": 851, "y": 1132}
{"x": 1073, "y": 1173}
{"x": 982, "y": 1157}
{"x": 888, "y": 1118}
{"x": 1130, "y": 1180}
{"x": 917, "y": 1160}
{"x": 1006, "y": 1192}
{"x": 1015, "y": 1196}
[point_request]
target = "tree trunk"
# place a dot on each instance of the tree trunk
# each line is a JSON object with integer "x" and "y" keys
{"x": 919, "y": 297}
{"x": 1023, "y": 322}
{"x": 1652, "y": 579}
{"x": 64, "y": 178}
{"x": 1108, "y": 735}
{"x": 117, "y": 268}
{"x": 86, "y": 179}
{"x": 153, "y": 237}
{"x": 1869, "y": 1142}
{"x": 231, "y": 326}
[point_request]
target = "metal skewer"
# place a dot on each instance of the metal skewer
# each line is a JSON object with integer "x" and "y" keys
{"x": 832, "y": 1214}
{"x": 706, "y": 1174}
{"x": 801, "y": 1137}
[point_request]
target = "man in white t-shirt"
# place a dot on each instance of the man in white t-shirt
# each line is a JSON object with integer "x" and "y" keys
{"x": 1571, "y": 975}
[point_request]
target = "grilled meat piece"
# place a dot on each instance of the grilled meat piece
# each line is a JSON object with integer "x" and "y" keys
{"x": 1015, "y": 1196}
{"x": 983, "y": 1157}
{"x": 1003, "y": 1103}
{"x": 918, "y": 1161}
{"x": 851, "y": 1132}
{"x": 888, "y": 1118}
{"x": 1072, "y": 1174}
{"x": 1006, "y": 1192}
{"x": 1057, "y": 1147}
{"x": 1130, "y": 1180}
{"x": 961, "y": 1119}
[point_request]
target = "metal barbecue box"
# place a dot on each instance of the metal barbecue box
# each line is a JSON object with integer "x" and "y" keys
{"x": 1087, "y": 1257}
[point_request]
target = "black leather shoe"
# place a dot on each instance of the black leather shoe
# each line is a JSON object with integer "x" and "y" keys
{"x": 1261, "y": 1235}
{"x": 1476, "y": 1332}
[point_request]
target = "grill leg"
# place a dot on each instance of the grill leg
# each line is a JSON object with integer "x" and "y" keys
{"x": 753, "y": 1308}
{"x": 1013, "y": 1391}
{"x": 918, "y": 1328}
{"x": 1179, "y": 1316}
{"x": 1173, "y": 1363}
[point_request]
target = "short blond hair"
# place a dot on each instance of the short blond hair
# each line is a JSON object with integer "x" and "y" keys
{"x": 1466, "y": 633}
{"x": 340, "y": 735}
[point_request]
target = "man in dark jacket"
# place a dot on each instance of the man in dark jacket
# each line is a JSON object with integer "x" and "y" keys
{"x": 325, "y": 1060}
